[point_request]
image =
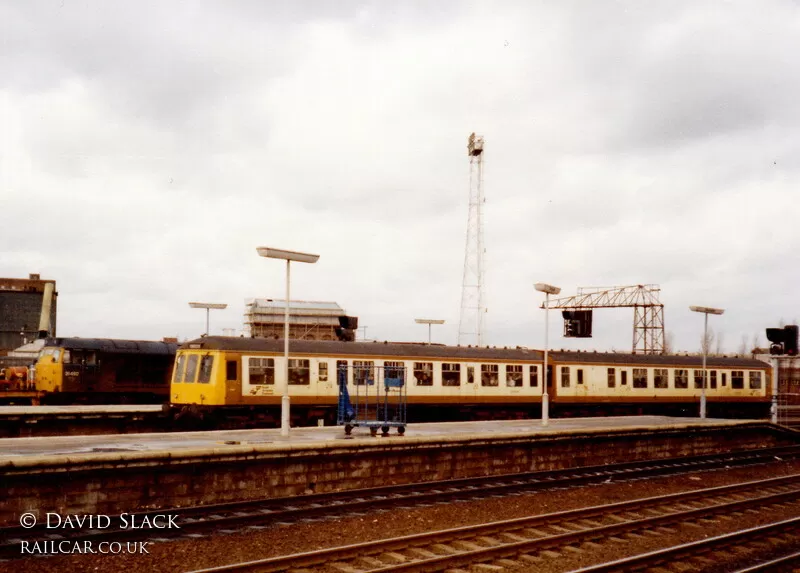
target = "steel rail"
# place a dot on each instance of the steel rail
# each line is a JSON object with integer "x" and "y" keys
{"x": 517, "y": 528}
{"x": 199, "y": 519}
{"x": 686, "y": 550}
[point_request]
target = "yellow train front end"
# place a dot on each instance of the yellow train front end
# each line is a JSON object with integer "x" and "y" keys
{"x": 198, "y": 378}
{"x": 49, "y": 371}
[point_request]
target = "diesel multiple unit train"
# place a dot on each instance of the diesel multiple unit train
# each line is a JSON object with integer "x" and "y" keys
{"x": 223, "y": 376}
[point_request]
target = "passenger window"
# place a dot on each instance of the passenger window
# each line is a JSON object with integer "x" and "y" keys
{"x": 580, "y": 375}
{"x": 423, "y": 373}
{"x": 363, "y": 372}
{"x": 489, "y": 374}
{"x": 451, "y": 374}
{"x": 262, "y": 371}
{"x": 514, "y": 375}
{"x": 206, "y": 364}
{"x": 341, "y": 372}
{"x": 565, "y": 376}
{"x": 470, "y": 375}
{"x": 322, "y": 373}
{"x": 737, "y": 379}
{"x": 640, "y": 377}
{"x": 755, "y": 380}
{"x": 612, "y": 377}
{"x": 624, "y": 378}
{"x": 534, "y": 375}
{"x": 661, "y": 378}
{"x": 682, "y": 379}
{"x": 713, "y": 378}
{"x": 394, "y": 371}
{"x": 299, "y": 371}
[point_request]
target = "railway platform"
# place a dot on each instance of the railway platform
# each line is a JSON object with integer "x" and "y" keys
{"x": 126, "y": 473}
{"x": 29, "y": 421}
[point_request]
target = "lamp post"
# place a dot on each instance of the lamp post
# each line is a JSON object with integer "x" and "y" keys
{"x": 288, "y": 256}
{"x": 208, "y": 306}
{"x": 706, "y": 311}
{"x": 429, "y": 322}
{"x": 547, "y": 290}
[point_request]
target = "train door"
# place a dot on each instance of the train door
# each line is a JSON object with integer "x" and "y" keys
{"x": 233, "y": 379}
{"x": 471, "y": 382}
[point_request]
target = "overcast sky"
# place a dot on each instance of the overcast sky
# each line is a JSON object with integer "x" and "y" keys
{"x": 148, "y": 148}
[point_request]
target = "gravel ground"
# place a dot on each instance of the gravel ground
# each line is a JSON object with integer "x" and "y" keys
{"x": 190, "y": 554}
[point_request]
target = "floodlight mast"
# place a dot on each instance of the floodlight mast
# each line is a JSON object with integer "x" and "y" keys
{"x": 705, "y": 310}
{"x": 429, "y": 322}
{"x": 287, "y": 256}
{"x": 208, "y": 306}
{"x": 547, "y": 290}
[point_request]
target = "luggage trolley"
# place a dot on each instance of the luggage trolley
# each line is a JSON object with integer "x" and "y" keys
{"x": 378, "y": 398}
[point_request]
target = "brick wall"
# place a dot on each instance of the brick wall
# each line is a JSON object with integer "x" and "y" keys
{"x": 115, "y": 483}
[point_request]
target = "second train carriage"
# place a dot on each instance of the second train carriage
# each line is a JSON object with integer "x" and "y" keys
{"x": 104, "y": 371}
{"x": 246, "y": 376}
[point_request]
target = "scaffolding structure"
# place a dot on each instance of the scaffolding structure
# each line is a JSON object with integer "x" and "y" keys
{"x": 648, "y": 312}
{"x": 473, "y": 303}
{"x": 308, "y": 320}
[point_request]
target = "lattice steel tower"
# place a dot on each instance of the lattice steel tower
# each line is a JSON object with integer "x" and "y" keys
{"x": 473, "y": 302}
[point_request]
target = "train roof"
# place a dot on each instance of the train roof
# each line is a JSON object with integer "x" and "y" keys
{"x": 114, "y": 346}
{"x": 421, "y": 350}
{"x": 654, "y": 359}
{"x": 364, "y": 348}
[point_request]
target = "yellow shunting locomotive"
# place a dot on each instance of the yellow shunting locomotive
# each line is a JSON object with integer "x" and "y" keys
{"x": 227, "y": 375}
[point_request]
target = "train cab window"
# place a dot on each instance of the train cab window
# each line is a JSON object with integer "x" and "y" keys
{"x": 489, "y": 374}
{"x": 230, "y": 370}
{"x": 713, "y": 379}
{"x": 322, "y": 371}
{"x": 737, "y": 379}
{"x": 623, "y": 378}
{"x": 191, "y": 368}
{"x": 612, "y": 377}
{"x": 514, "y": 375}
{"x": 681, "y": 379}
{"x": 565, "y": 376}
{"x": 640, "y": 377}
{"x": 299, "y": 371}
{"x": 261, "y": 370}
{"x": 394, "y": 370}
{"x": 179, "y": 364}
{"x": 534, "y": 375}
{"x": 423, "y": 373}
{"x": 206, "y": 364}
{"x": 698, "y": 378}
{"x": 451, "y": 374}
{"x": 57, "y": 354}
{"x": 755, "y": 380}
{"x": 363, "y": 372}
{"x": 661, "y": 378}
{"x": 579, "y": 372}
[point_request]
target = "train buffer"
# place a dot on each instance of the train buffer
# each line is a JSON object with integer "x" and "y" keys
{"x": 372, "y": 396}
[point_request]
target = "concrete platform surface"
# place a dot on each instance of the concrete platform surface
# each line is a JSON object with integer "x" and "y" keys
{"x": 17, "y": 449}
{"x": 6, "y": 411}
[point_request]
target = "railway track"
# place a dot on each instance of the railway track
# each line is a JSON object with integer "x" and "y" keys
{"x": 230, "y": 517}
{"x": 717, "y": 551}
{"x": 524, "y": 542}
